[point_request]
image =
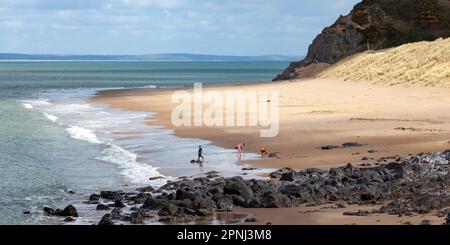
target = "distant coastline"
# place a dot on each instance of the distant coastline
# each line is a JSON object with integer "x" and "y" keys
{"x": 148, "y": 57}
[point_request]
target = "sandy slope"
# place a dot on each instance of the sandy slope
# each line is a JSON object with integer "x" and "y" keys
{"x": 419, "y": 64}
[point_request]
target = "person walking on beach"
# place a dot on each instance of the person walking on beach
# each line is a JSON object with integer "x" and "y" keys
{"x": 200, "y": 154}
{"x": 241, "y": 150}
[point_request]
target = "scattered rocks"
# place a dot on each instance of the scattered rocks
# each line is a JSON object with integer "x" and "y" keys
{"x": 69, "y": 211}
{"x": 417, "y": 184}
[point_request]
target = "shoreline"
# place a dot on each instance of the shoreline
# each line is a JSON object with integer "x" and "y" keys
{"x": 388, "y": 121}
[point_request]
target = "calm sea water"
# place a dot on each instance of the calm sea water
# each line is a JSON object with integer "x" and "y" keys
{"x": 53, "y": 142}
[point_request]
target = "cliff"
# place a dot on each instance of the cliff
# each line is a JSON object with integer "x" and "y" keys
{"x": 373, "y": 25}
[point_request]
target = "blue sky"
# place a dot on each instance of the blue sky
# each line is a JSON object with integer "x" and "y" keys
{"x": 227, "y": 27}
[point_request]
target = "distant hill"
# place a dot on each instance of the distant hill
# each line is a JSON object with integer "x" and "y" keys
{"x": 147, "y": 57}
{"x": 414, "y": 64}
{"x": 374, "y": 25}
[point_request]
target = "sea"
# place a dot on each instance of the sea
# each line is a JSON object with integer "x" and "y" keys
{"x": 56, "y": 148}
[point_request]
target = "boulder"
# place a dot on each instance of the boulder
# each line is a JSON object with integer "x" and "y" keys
{"x": 181, "y": 195}
{"x": 242, "y": 194}
{"x": 111, "y": 195}
{"x": 102, "y": 207}
{"x": 105, "y": 220}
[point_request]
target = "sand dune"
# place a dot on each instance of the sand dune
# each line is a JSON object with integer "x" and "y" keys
{"x": 420, "y": 64}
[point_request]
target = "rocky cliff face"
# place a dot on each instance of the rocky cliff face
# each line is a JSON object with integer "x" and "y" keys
{"x": 374, "y": 25}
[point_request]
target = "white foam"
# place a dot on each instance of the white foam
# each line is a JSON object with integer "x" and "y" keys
{"x": 38, "y": 102}
{"x": 51, "y": 117}
{"x": 27, "y": 106}
{"x": 83, "y": 134}
{"x": 134, "y": 171}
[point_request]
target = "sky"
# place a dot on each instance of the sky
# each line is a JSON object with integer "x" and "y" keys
{"x": 221, "y": 27}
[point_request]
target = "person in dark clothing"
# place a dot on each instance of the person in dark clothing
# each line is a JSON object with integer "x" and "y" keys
{"x": 200, "y": 153}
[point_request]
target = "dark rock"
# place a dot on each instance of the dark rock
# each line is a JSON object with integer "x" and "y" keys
{"x": 329, "y": 147}
{"x": 111, "y": 195}
{"x": 372, "y": 151}
{"x": 116, "y": 214}
{"x": 49, "y": 211}
{"x": 425, "y": 222}
{"x": 168, "y": 209}
{"x": 249, "y": 169}
{"x": 181, "y": 195}
{"x": 27, "y": 212}
{"x": 358, "y": 213}
{"x": 70, "y": 210}
{"x": 153, "y": 204}
{"x": 140, "y": 197}
{"x": 155, "y": 178}
{"x": 225, "y": 203}
{"x": 94, "y": 197}
{"x": 352, "y": 144}
{"x": 277, "y": 174}
{"x": 102, "y": 207}
{"x": 289, "y": 176}
{"x": 69, "y": 219}
{"x": 138, "y": 217}
{"x": 204, "y": 212}
{"x": 105, "y": 220}
{"x": 272, "y": 199}
{"x": 251, "y": 220}
{"x": 242, "y": 194}
{"x": 146, "y": 189}
{"x": 119, "y": 204}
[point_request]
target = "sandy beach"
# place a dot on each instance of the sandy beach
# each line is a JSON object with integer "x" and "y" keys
{"x": 388, "y": 120}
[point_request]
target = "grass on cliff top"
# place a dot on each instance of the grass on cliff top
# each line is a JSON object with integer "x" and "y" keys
{"x": 414, "y": 64}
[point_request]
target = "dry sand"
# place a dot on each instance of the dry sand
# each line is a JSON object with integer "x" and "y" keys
{"x": 415, "y": 64}
{"x": 388, "y": 119}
